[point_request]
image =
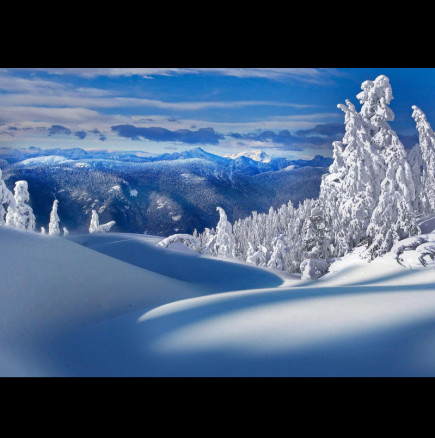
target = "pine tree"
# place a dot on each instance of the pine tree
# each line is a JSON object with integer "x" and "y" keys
{"x": 394, "y": 216}
{"x": 427, "y": 151}
{"x": 207, "y": 240}
{"x": 6, "y": 198}
{"x": 224, "y": 245}
{"x": 415, "y": 160}
{"x": 278, "y": 258}
{"x": 53, "y": 226}
{"x": 353, "y": 198}
{"x": 19, "y": 214}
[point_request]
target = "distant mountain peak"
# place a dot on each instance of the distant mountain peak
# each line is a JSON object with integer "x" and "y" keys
{"x": 257, "y": 155}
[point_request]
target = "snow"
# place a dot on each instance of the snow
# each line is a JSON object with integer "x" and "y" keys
{"x": 45, "y": 160}
{"x": 191, "y": 305}
{"x": 117, "y": 305}
{"x": 82, "y": 165}
{"x": 161, "y": 203}
{"x": 133, "y": 192}
{"x": 50, "y": 285}
{"x": 95, "y": 226}
{"x": 53, "y": 226}
{"x": 427, "y": 224}
{"x": 289, "y": 168}
{"x": 256, "y": 155}
{"x": 191, "y": 178}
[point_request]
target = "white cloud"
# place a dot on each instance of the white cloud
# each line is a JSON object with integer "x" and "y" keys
{"x": 11, "y": 115}
{"x": 304, "y": 74}
{"x": 83, "y": 99}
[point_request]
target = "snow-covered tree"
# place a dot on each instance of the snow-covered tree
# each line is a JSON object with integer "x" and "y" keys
{"x": 259, "y": 257}
{"x": 6, "y": 199}
{"x": 43, "y": 230}
{"x": 394, "y": 216}
{"x": 186, "y": 239}
{"x": 312, "y": 269}
{"x": 53, "y": 226}
{"x": 427, "y": 151}
{"x": 19, "y": 214}
{"x": 359, "y": 183}
{"x": 415, "y": 160}
{"x": 95, "y": 226}
{"x": 278, "y": 258}
{"x": 207, "y": 240}
{"x": 224, "y": 244}
{"x": 65, "y": 231}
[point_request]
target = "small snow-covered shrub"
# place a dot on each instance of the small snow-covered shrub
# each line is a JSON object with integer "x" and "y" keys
{"x": 312, "y": 269}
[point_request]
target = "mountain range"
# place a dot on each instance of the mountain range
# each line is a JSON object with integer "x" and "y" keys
{"x": 170, "y": 193}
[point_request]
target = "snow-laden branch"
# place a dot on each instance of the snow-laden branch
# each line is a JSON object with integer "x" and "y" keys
{"x": 186, "y": 239}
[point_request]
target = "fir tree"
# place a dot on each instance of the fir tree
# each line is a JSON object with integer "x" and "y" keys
{"x": 427, "y": 152}
{"x": 53, "y": 226}
{"x": 19, "y": 214}
{"x": 224, "y": 244}
{"x": 6, "y": 199}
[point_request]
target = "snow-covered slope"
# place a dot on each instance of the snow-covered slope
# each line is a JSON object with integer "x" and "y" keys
{"x": 44, "y": 161}
{"x": 50, "y": 285}
{"x": 116, "y": 305}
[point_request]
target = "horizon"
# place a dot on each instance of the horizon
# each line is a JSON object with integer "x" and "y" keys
{"x": 285, "y": 112}
{"x": 38, "y": 150}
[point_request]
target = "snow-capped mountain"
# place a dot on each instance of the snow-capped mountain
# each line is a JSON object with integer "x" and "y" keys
{"x": 170, "y": 193}
{"x": 44, "y": 160}
{"x": 256, "y": 155}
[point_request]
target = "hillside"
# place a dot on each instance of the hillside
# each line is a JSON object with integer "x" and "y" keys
{"x": 116, "y": 305}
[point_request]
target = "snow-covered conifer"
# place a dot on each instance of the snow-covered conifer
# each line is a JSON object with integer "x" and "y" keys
{"x": 224, "y": 245}
{"x": 207, "y": 239}
{"x": 278, "y": 258}
{"x": 6, "y": 198}
{"x": 53, "y": 226}
{"x": 394, "y": 216}
{"x": 427, "y": 150}
{"x": 259, "y": 257}
{"x": 351, "y": 195}
{"x": 65, "y": 231}
{"x": 43, "y": 230}
{"x": 95, "y": 226}
{"x": 19, "y": 214}
{"x": 415, "y": 160}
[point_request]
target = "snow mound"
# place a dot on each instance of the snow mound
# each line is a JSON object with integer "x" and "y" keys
{"x": 416, "y": 252}
{"x": 427, "y": 224}
{"x": 212, "y": 274}
{"x": 49, "y": 285}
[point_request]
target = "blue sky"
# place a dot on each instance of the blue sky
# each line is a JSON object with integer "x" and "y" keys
{"x": 288, "y": 112}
